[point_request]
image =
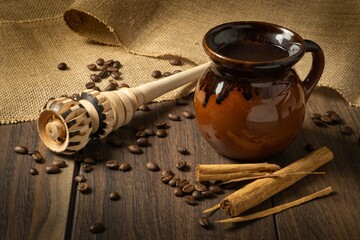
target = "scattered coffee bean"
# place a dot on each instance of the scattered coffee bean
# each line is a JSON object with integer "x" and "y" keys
{"x": 75, "y": 97}
{"x": 83, "y": 187}
{"x": 188, "y": 114}
{"x": 181, "y": 102}
{"x": 175, "y": 61}
{"x": 60, "y": 163}
{"x": 156, "y": 74}
{"x": 166, "y": 172}
{"x": 62, "y": 66}
{"x": 216, "y": 189}
{"x": 95, "y": 78}
{"x": 178, "y": 192}
{"x": 92, "y": 67}
{"x": 112, "y": 164}
{"x": 33, "y": 171}
{"x": 140, "y": 134}
{"x": 200, "y": 187}
{"x": 182, "y": 150}
{"x": 89, "y": 85}
{"x": 161, "y": 124}
{"x": 116, "y": 64}
{"x": 309, "y": 147}
{"x": 21, "y": 150}
{"x": 190, "y": 200}
{"x": 315, "y": 116}
{"x": 318, "y": 122}
{"x": 37, "y": 157}
{"x": 346, "y": 130}
{"x": 326, "y": 119}
{"x": 135, "y": 149}
{"x": 174, "y": 117}
{"x": 109, "y": 62}
{"x": 97, "y": 228}
{"x": 196, "y": 194}
{"x": 144, "y": 108}
{"x": 182, "y": 183}
{"x": 103, "y": 67}
{"x": 52, "y": 169}
{"x": 139, "y": 127}
{"x": 89, "y": 160}
{"x": 167, "y": 74}
{"x": 188, "y": 188}
{"x": 161, "y": 133}
{"x": 151, "y": 166}
{"x": 166, "y": 178}
{"x": 96, "y": 88}
{"x": 207, "y": 193}
{"x": 87, "y": 168}
{"x": 103, "y": 73}
{"x": 111, "y": 87}
{"x": 176, "y": 71}
{"x": 80, "y": 179}
{"x": 112, "y": 69}
{"x": 100, "y": 61}
{"x": 181, "y": 165}
{"x": 173, "y": 181}
{"x": 334, "y": 116}
{"x": 149, "y": 132}
{"x": 124, "y": 167}
{"x": 142, "y": 142}
{"x": 115, "y": 75}
{"x": 114, "y": 196}
{"x": 204, "y": 222}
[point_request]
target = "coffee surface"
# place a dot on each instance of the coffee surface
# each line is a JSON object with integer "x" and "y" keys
{"x": 253, "y": 51}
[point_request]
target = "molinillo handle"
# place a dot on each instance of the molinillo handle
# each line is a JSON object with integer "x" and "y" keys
{"x": 66, "y": 126}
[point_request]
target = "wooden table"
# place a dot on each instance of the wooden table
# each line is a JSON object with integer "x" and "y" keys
{"x": 50, "y": 206}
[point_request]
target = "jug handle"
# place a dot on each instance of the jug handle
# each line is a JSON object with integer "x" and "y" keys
{"x": 317, "y": 67}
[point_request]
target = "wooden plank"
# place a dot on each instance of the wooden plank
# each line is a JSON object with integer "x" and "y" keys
{"x": 333, "y": 217}
{"x": 148, "y": 208}
{"x": 32, "y": 207}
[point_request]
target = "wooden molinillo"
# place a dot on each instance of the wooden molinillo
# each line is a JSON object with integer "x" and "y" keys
{"x": 66, "y": 126}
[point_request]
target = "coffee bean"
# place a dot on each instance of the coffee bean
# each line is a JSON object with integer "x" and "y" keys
{"x": 174, "y": 117}
{"x": 175, "y": 61}
{"x": 104, "y": 73}
{"x": 124, "y": 167}
{"x": 161, "y": 133}
{"x": 156, "y": 74}
{"x": 33, "y": 171}
{"x": 161, "y": 124}
{"x": 181, "y": 102}
{"x": 216, "y": 189}
{"x": 83, "y": 187}
{"x": 114, "y": 196}
{"x": 62, "y": 66}
{"x": 182, "y": 150}
{"x": 309, "y": 147}
{"x": 89, "y": 160}
{"x": 89, "y": 85}
{"x": 196, "y": 194}
{"x": 182, "y": 183}
{"x": 116, "y": 64}
{"x": 140, "y": 134}
{"x": 335, "y": 117}
{"x": 21, "y": 150}
{"x": 166, "y": 172}
{"x": 115, "y": 75}
{"x": 173, "y": 181}
{"x": 178, "y": 192}
{"x": 318, "y": 122}
{"x": 149, "y": 132}
{"x": 346, "y": 130}
{"x": 142, "y": 142}
{"x": 96, "y": 88}
{"x": 112, "y": 69}
{"x": 112, "y": 164}
{"x": 176, "y": 71}
{"x": 139, "y": 127}
{"x": 60, "y": 163}
{"x": 207, "y": 193}
{"x": 204, "y": 222}
{"x": 80, "y": 179}
{"x": 315, "y": 116}
{"x": 200, "y": 187}
{"x": 109, "y": 62}
{"x": 92, "y": 67}
{"x": 100, "y": 61}
{"x": 144, "y": 108}
{"x": 181, "y": 165}
{"x": 190, "y": 200}
{"x": 151, "y": 166}
{"x": 188, "y": 188}
{"x": 188, "y": 114}
{"x": 52, "y": 169}
{"x": 167, "y": 74}
{"x": 103, "y": 67}
{"x": 326, "y": 119}
{"x": 135, "y": 149}
{"x": 75, "y": 97}
{"x": 95, "y": 78}
{"x": 111, "y": 87}
{"x": 166, "y": 178}
{"x": 37, "y": 157}
{"x": 87, "y": 168}
{"x": 97, "y": 228}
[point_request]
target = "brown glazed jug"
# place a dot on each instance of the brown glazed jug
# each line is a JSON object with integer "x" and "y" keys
{"x": 250, "y": 103}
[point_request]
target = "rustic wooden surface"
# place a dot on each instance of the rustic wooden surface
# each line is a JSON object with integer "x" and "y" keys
{"x": 49, "y": 206}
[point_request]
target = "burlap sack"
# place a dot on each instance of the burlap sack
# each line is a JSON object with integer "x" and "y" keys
{"x": 35, "y": 38}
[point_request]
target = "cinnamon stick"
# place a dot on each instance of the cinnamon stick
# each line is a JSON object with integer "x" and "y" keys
{"x": 280, "y": 208}
{"x": 258, "y": 191}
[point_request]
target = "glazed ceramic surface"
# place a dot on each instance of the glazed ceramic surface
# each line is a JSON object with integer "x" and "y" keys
{"x": 250, "y": 103}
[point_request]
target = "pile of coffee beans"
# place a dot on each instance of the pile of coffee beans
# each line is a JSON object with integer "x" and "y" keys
{"x": 331, "y": 118}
